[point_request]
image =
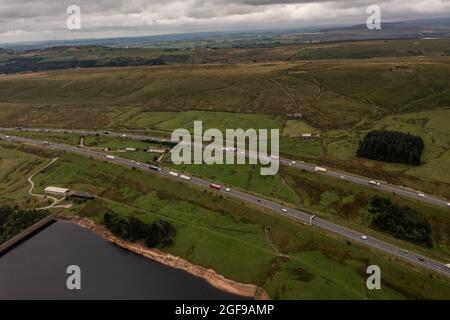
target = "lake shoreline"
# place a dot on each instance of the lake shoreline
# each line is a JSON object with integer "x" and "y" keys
{"x": 209, "y": 275}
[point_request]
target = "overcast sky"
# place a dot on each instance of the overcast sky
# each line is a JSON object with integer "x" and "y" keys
{"x": 30, "y": 20}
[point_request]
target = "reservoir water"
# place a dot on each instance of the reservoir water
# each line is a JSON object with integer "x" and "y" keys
{"x": 36, "y": 269}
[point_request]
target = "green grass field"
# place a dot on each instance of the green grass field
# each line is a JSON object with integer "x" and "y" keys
{"x": 295, "y": 129}
{"x": 117, "y": 143}
{"x": 144, "y": 157}
{"x": 169, "y": 121}
{"x": 336, "y": 200}
{"x": 431, "y": 176}
{"x": 66, "y": 138}
{"x": 17, "y": 163}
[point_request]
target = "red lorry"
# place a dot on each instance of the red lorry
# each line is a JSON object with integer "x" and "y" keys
{"x": 215, "y": 186}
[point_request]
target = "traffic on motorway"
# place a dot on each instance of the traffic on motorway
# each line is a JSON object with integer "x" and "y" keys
{"x": 405, "y": 192}
{"x": 304, "y": 217}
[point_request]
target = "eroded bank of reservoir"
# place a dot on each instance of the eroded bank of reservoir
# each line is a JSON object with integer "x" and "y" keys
{"x": 36, "y": 269}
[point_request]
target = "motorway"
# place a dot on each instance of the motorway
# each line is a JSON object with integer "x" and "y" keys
{"x": 405, "y": 192}
{"x": 298, "y": 215}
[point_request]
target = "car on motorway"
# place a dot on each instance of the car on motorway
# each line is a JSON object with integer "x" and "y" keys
{"x": 447, "y": 265}
{"x": 374, "y": 183}
{"x": 405, "y": 251}
{"x": 448, "y": 204}
{"x": 342, "y": 177}
{"x": 154, "y": 168}
{"x": 422, "y": 195}
{"x": 421, "y": 259}
{"x": 227, "y": 189}
{"x": 110, "y": 157}
{"x": 364, "y": 237}
{"x": 184, "y": 177}
{"x": 173, "y": 174}
{"x": 284, "y": 210}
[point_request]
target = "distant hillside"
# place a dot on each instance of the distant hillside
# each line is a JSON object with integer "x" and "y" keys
{"x": 57, "y": 58}
{"x": 330, "y": 94}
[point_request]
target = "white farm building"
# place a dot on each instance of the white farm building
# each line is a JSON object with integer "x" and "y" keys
{"x": 57, "y": 191}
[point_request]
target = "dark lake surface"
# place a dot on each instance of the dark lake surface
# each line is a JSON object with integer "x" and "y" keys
{"x": 36, "y": 269}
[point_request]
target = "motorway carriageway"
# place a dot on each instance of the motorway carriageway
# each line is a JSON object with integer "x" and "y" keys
{"x": 298, "y": 215}
{"x": 408, "y": 193}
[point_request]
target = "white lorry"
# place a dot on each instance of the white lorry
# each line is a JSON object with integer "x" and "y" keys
{"x": 374, "y": 183}
{"x": 320, "y": 169}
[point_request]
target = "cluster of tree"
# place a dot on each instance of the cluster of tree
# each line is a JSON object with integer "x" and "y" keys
{"x": 392, "y": 146}
{"x": 33, "y": 64}
{"x": 400, "y": 221}
{"x": 159, "y": 233}
{"x": 13, "y": 221}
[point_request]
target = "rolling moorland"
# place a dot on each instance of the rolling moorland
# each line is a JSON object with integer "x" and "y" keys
{"x": 340, "y": 98}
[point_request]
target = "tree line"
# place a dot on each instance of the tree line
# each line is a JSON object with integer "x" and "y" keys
{"x": 401, "y": 221}
{"x": 13, "y": 221}
{"x": 154, "y": 234}
{"x": 392, "y": 146}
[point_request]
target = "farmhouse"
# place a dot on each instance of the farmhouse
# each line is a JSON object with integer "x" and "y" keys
{"x": 57, "y": 191}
